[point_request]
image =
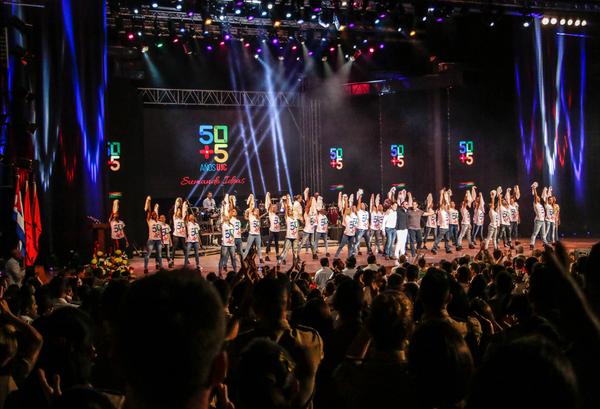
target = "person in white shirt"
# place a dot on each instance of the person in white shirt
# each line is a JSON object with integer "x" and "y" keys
{"x": 515, "y": 218}
{"x": 389, "y": 223}
{"x": 349, "y": 223}
{"x": 274, "y": 226}
{"x": 322, "y": 229}
{"x": 308, "y": 232}
{"x": 550, "y": 220}
{"x": 13, "y": 270}
{"x": 539, "y": 223}
{"x": 192, "y": 241}
{"x": 431, "y": 221}
{"x": 209, "y": 203}
{"x": 237, "y": 231}
{"x": 166, "y": 236}
{"x": 494, "y": 221}
{"x": 465, "y": 224}
{"x": 254, "y": 237}
{"x": 376, "y": 228}
{"x": 504, "y": 214}
{"x": 350, "y": 269}
{"x": 154, "y": 235}
{"x": 324, "y": 274}
{"x": 227, "y": 245}
{"x": 117, "y": 229}
{"x": 454, "y": 221}
{"x": 443, "y": 222}
{"x": 291, "y": 232}
{"x": 478, "y": 217}
{"x": 179, "y": 230}
{"x": 362, "y": 224}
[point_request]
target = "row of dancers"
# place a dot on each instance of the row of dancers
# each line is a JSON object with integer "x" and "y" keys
{"x": 388, "y": 227}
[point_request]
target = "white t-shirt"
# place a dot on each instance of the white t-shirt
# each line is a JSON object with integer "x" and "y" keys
{"x": 514, "y": 212}
{"x": 322, "y": 276}
{"x": 363, "y": 220}
{"x": 431, "y": 221}
{"x": 237, "y": 228}
{"x": 540, "y": 214}
{"x": 466, "y": 217}
{"x": 350, "y": 225}
{"x": 479, "y": 216}
{"x": 309, "y": 223}
{"x": 154, "y": 230}
{"x": 494, "y": 218}
{"x": 376, "y": 221}
{"x": 453, "y": 216}
{"x": 227, "y": 235}
{"x": 253, "y": 224}
{"x": 193, "y": 232}
{"x": 166, "y": 234}
{"x": 443, "y": 219}
{"x": 322, "y": 223}
{"x": 117, "y": 229}
{"x": 179, "y": 225}
{"x": 504, "y": 216}
{"x": 549, "y": 213}
{"x": 291, "y": 231}
{"x": 297, "y": 210}
{"x": 274, "y": 223}
{"x": 389, "y": 220}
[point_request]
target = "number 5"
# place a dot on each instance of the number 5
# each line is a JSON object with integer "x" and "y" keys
{"x": 462, "y": 146}
{"x": 333, "y": 153}
{"x": 339, "y": 164}
{"x": 469, "y": 160}
{"x": 206, "y": 135}
{"x": 220, "y": 151}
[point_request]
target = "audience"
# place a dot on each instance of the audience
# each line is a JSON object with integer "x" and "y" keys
{"x": 490, "y": 332}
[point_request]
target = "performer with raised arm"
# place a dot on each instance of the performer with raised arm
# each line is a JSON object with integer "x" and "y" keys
{"x": 310, "y": 221}
{"x": 322, "y": 230}
{"x": 349, "y": 223}
{"x": 117, "y": 229}
{"x": 556, "y": 218}
{"x": 431, "y": 221}
{"x": 179, "y": 228}
{"x": 454, "y": 222}
{"x": 227, "y": 243}
{"x": 494, "y": 220}
{"x": 362, "y": 224}
{"x": 465, "y": 224}
{"x": 291, "y": 232}
{"x": 415, "y": 237}
{"x": 254, "y": 237}
{"x": 154, "y": 235}
{"x": 389, "y": 223}
{"x": 504, "y": 212}
{"x": 274, "y": 226}
{"x": 478, "y": 215}
{"x": 376, "y": 229}
{"x": 443, "y": 221}
{"x": 539, "y": 222}
{"x": 515, "y": 216}
{"x": 166, "y": 237}
{"x": 549, "y": 201}
{"x": 232, "y": 214}
{"x": 401, "y": 224}
{"x": 192, "y": 240}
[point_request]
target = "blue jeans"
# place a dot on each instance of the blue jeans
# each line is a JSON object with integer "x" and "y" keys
{"x": 346, "y": 240}
{"x": 550, "y": 236}
{"x": 157, "y": 246}
{"x": 238, "y": 245}
{"x": 477, "y": 230}
{"x": 442, "y": 234}
{"x": 428, "y": 231}
{"x": 414, "y": 237}
{"x": 227, "y": 252}
{"x": 390, "y": 238}
{"x": 287, "y": 245}
{"x": 376, "y": 237}
{"x": 256, "y": 239}
{"x": 177, "y": 242}
{"x": 359, "y": 235}
{"x": 188, "y": 246}
{"x": 318, "y": 237}
{"x": 308, "y": 239}
{"x": 492, "y": 236}
{"x": 539, "y": 227}
{"x": 453, "y": 233}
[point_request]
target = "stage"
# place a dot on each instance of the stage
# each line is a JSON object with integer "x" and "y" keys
{"x": 209, "y": 263}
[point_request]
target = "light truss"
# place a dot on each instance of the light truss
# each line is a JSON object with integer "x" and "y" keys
{"x": 201, "y": 97}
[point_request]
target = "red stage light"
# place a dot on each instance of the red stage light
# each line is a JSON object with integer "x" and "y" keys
{"x": 371, "y": 50}
{"x": 175, "y": 40}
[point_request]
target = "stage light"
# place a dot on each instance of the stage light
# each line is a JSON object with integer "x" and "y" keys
{"x": 222, "y": 43}
{"x": 280, "y": 58}
{"x": 313, "y": 17}
{"x": 583, "y": 23}
{"x": 577, "y": 23}
{"x": 399, "y": 29}
{"x": 300, "y": 21}
{"x": 154, "y": 5}
{"x": 344, "y": 3}
{"x": 545, "y": 21}
{"x": 139, "y": 33}
{"x": 492, "y": 24}
{"x": 263, "y": 13}
{"x": 413, "y": 33}
{"x": 354, "y": 46}
{"x": 381, "y": 46}
{"x": 526, "y": 24}
{"x": 145, "y": 49}
{"x": 563, "y": 21}
{"x": 277, "y": 23}
{"x": 288, "y": 15}
{"x": 297, "y": 58}
{"x": 310, "y": 53}
{"x": 208, "y": 22}
{"x": 159, "y": 45}
{"x": 135, "y": 11}
{"x": 259, "y": 50}
{"x": 331, "y": 49}
{"x": 209, "y": 48}
{"x": 250, "y": 18}
{"x": 553, "y": 20}
{"x": 294, "y": 48}
{"x": 190, "y": 14}
{"x": 227, "y": 37}
{"x": 270, "y": 6}
{"x": 238, "y": 12}
{"x": 377, "y": 21}
{"x": 439, "y": 19}
{"x": 275, "y": 41}
{"x": 424, "y": 18}
{"x": 256, "y": 56}
{"x": 178, "y": 7}
{"x": 324, "y": 59}
{"x": 570, "y": 22}
{"x": 246, "y": 45}
{"x": 221, "y": 17}
{"x": 182, "y": 30}
{"x": 175, "y": 40}
{"x": 371, "y": 50}
{"x": 351, "y": 25}
{"x": 130, "y": 36}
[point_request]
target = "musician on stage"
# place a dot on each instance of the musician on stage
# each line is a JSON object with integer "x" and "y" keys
{"x": 209, "y": 203}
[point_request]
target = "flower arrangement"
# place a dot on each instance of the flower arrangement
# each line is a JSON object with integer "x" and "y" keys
{"x": 109, "y": 265}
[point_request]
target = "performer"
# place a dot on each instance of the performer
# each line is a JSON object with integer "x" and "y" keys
{"x": 377, "y": 230}
{"x": 209, "y": 203}
{"x": 515, "y": 217}
{"x": 227, "y": 243}
{"x": 504, "y": 212}
{"x": 117, "y": 229}
{"x": 465, "y": 224}
{"x": 291, "y": 233}
{"x": 349, "y": 223}
{"x": 179, "y": 231}
{"x": 401, "y": 224}
{"x": 415, "y": 214}
{"x": 166, "y": 236}
{"x": 154, "y": 235}
{"x": 192, "y": 240}
{"x": 453, "y": 231}
{"x": 478, "y": 216}
{"x": 254, "y": 237}
{"x": 237, "y": 230}
{"x": 539, "y": 223}
{"x": 362, "y": 224}
{"x": 322, "y": 229}
{"x": 443, "y": 221}
{"x": 494, "y": 221}
{"x": 556, "y": 218}
{"x": 310, "y": 221}
{"x": 274, "y": 226}
{"x": 431, "y": 222}
{"x": 549, "y": 201}
{"x": 389, "y": 222}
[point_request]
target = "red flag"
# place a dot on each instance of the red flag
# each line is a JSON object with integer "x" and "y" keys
{"x": 30, "y": 249}
{"x": 37, "y": 220}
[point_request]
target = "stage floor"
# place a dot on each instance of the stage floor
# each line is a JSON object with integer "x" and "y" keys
{"x": 209, "y": 263}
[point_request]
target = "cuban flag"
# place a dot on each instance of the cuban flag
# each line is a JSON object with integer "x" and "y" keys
{"x": 19, "y": 217}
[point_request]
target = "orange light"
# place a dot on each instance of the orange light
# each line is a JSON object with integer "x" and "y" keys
{"x": 413, "y": 33}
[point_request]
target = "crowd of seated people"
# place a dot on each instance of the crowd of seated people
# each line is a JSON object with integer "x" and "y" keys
{"x": 489, "y": 332}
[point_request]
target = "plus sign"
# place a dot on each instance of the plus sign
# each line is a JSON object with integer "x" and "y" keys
{"x": 462, "y": 158}
{"x": 206, "y": 152}
{"x": 395, "y": 161}
{"x": 333, "y": 163}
